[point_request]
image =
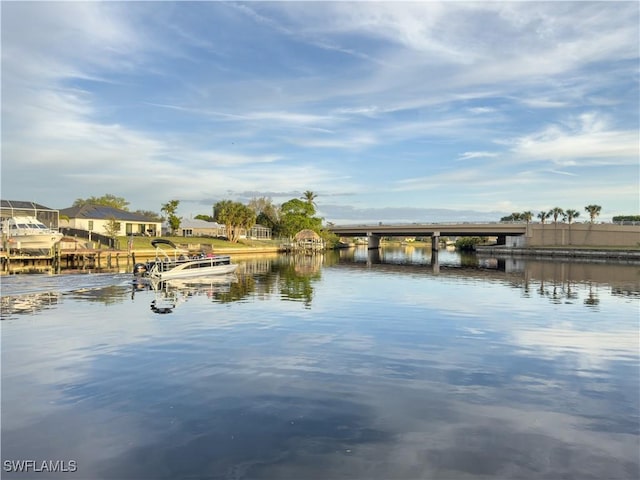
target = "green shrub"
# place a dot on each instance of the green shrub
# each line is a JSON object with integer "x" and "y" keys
{"x": 467, "y": 243}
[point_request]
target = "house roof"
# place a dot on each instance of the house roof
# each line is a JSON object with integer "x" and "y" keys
{"x": 102, "y": 212}
{"x": 23, "y": 205}
{"x": 306, "y": 235}
{"x": 198, "y": 223}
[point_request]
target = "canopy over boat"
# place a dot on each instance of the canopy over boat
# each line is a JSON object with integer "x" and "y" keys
{"x": 162, "y": 241}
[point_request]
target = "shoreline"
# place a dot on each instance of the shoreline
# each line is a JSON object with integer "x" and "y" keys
{"x": 561, "y": 252}
{"x": 85, "y": 259}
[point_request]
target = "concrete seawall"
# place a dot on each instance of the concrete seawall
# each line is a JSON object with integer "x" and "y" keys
{"x": 570, "y": 253}
{"x": 596, "y": 235}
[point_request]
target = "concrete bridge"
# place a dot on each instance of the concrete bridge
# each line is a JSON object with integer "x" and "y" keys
{"x": 433, "y": 230}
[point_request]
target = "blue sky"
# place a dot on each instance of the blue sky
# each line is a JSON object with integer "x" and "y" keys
{"x": 392, "y": 111}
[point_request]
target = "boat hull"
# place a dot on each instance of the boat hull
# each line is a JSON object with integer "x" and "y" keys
{"x": 183, "y": 271}
{"x": 43, "y": 241}
{"x": 181, "y": 266}
{"x": 27, "y": 233}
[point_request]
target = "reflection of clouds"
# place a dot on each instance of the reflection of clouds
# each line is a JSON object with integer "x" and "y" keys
{"x": 591, "y": 350}
{"x": 60, "y": 350}
{"x": 382, "y": 378}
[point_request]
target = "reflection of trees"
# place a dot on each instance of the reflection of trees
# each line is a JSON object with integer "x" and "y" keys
{"x": 592, "y": 299}
{"x": 541, "y": 289}
{"x": 245, "y": 285}
{"x": 295, "y": 277}
{"x": 556, "y": 295}
{"x": 570, "y": 291}
{"x": 290, "y": 277}
{"x": 557, "y": 292}
{"x": 468, "y": 260}
{"x": 626, "y": 291}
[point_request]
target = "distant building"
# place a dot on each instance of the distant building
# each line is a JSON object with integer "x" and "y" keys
{"x": 259, "y": 232}
{"x": 308, "y": 241}
{"x": 202, "y": 228}
{"x": 95, "y": 218}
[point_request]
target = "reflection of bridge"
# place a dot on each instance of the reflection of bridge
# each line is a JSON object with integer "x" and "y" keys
{"x": 620, "y": 277}
{"x": 433, "y": 230}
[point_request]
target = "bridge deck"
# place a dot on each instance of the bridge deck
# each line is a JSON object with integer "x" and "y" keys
{"x": 442, "y": 229}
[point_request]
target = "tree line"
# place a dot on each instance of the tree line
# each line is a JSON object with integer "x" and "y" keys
{"x": 284, "y": 220}
{"x": 555, "y": 214}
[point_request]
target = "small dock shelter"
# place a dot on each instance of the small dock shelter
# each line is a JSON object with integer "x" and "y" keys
{"x": 307, "y": 241}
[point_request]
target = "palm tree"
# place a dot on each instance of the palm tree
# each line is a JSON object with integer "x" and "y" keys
{"x": 526, "y": 216}
{"x": 594, "y": 211}
{"x": 570, "y": 214}
{"x": 309, "y": 197}
{"x": 555, "y": 213}
{"x": 543, "y": 216}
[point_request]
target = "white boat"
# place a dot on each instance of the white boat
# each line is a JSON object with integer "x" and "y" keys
{"x": 180, "y": 265}
{"x": 28, "y": 233}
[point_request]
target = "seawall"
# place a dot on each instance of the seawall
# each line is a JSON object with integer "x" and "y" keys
{"x": 559, "y": 252}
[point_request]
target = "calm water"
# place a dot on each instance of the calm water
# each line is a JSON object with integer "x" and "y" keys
{"x": 357, "y": 365}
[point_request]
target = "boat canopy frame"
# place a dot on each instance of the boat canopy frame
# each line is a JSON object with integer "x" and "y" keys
{"x": 163, "y": 241}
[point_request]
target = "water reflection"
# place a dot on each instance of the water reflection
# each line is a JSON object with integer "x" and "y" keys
{"x": 292, "y": 278}
{"x": 558, "y": 281}
{"x": 27, "y": 304}
{"x": 171, "y": 293}
{"x": 335, "y": 367}
{"x": 289, "y": 278}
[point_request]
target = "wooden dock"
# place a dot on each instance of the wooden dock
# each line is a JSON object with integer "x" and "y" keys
{"x": 91, "y": 259}
{"x": 56, "y": 260}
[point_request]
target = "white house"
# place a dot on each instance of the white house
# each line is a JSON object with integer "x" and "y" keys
{"x": 95, "y": 218}
{"x": 194, "y": 227}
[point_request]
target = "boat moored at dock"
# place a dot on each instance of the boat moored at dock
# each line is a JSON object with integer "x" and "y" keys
{"x": 27, "y": 233}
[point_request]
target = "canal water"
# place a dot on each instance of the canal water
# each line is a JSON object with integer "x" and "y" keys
{"x": 351, "y": 365}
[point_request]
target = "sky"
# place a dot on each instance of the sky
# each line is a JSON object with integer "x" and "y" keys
{"x": 387, "y": 111}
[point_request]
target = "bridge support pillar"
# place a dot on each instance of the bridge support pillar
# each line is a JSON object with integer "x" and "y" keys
{"x": 373, "y": 257}
{"x": 374, "y": 240}
{"x": 435, "y": 241}
{"x": 435, "y": 263}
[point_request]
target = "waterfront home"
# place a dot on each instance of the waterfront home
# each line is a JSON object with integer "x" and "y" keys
{"x": 100, "y": 219}
{"x": 195, "y": 227}
{"x": 201, "y": 228}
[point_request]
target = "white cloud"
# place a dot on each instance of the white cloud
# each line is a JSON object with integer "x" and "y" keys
{"x": 585, "y": 139}
{"x": 470, "y": 155}
{"x": 154, "y": 95}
